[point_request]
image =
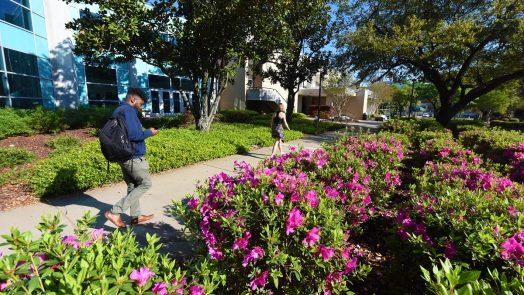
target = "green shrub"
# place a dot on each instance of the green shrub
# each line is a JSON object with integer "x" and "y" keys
{"x": 85, "y": 117}
{"x": 518, "y": 126}
{"x": 11, "y": 123}
{"x": 64, "y": 143}
{"x": 93, "y": 262}
{"x": 11, "y": 157}
{"x": 237, "y": 116}
{"x": 456, "y": 278}
{"x": 85, "y": 168}
{"x": 407, "y": 127}
{"x": 163, "y": 122}
{"x": 46, "y": 121}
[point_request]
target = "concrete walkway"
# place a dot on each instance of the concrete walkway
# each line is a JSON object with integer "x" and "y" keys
{"x": 167, "y": 186}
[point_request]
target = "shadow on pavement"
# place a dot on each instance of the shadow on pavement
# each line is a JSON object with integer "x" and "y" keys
{"x": 172, "y": 240}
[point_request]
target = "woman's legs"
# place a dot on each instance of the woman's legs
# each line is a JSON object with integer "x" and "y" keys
{"x": 280, "y": 146}
{"x": 275, "y": 145}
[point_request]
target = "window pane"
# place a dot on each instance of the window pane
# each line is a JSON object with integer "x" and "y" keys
{"x": 158, "y": 82}
{"x": 23, "y": 2}
{"x": 102, "y": 92}
{"x": 23, "y": 103}
{"x": 23, "y": 86}
{"x": 155, "y": 106}
{"x": 103, "y": 103}
{"x": 19, "y": 62}
{"x": 187, "y": 85}
{"x": 3, "y": 92}
{"x": 167, "y": 102}
{"x": 15, "y": 14}
{"x": 176, "y": 83}
{"x": 100, "y": 75}
{"x": 176, "y": 102}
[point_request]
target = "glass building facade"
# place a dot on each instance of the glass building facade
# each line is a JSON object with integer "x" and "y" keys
{"x": 38, "y": 67}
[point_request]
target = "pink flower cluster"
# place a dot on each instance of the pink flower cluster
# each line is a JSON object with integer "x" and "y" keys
{"x": 515, "y": 157}
{"x": 513, "y": 248}
{"x": 73, "y": 240}
{"x": 407, "y": 225}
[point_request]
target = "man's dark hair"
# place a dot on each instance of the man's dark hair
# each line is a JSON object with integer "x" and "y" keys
{"x": 136, "y": 92}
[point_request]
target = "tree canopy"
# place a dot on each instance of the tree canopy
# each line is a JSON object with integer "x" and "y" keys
{"x": 465, "y": 48}
{"x": 201, "y": 39}
{"x": 305, "y": 34}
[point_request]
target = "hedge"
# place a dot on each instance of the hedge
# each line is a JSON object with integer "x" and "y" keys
{"x": 11, "y": 123}
{"x": 84, "y": 168}
{"x": 11, "y": 157}
{"x": 508, "y": 125}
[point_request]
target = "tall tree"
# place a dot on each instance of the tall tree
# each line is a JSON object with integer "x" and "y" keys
{"x": 465, "y": 48}
{"x": 339, "y": 88}
{"x": 305, "y": 33}
{"x": 400, "y": 98}
{"x": 382, "y": 93}
{"x": 426, "y": 92}
{"x": 204, "y": 40}
{"x": 496, "y": 101}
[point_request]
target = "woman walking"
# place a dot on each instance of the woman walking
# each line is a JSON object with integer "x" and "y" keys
{"x": 277, "y": 130}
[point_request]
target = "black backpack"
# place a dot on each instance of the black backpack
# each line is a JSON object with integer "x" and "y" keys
{"x": 114, "y": 141}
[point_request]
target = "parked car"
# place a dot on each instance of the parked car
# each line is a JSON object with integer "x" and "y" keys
{"x": 425, "y": 115}
{"x": 382, "y": 118}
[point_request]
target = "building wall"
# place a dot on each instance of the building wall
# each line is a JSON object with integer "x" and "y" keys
{"x": 38, "y": 66}
{"x": 25, "y": 68}
{"x": 234, "y": 96}
{"x": 357, "y": 105}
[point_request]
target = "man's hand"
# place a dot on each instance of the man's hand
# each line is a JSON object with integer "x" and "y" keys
{"x": 154, "y": 131}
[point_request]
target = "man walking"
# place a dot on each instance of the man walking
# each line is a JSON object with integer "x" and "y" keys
{"x": 136, "y": 169}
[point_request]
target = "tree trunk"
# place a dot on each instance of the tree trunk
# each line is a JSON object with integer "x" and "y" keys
{"x": 486, "y": 116}
{"x": 204, "y": 124}
{"x": 444, "y": 115}
{"x": 290, "y": 106}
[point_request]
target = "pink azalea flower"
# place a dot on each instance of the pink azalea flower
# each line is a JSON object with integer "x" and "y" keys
{"x": 311, "y": 237}
{"x": 3, "y": 286}
{"x": 513, "y": 250}
{"x": 253, "y": 255}
{"x": 279, "y": 198}
{"x": 196, "y": 290}
{"x": 215, "y": 253}
{"x": 295, "y": 197}
{"x": 326, "y": 252}
{"x": 98, "y": 234}
{"x": 351, "y": 265}
{"x": 71, "y": 240}
{"x": 241, "y": 243}
{"x": 180, "y": 289}
{"x": 331, "y": 192}
{"x": 259, "y": 282}
{"x": 311, "y": 198}
{"x": 450, "y": 251}
{"x": 160, "y": 288}
{"x": 193, "y": 203}
{"x": 141, "y": 276}
{"x": 294, "y": 220}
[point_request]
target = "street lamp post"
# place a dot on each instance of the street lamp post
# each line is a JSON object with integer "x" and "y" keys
{"x": 317, "y": 119}
{"x": 411, "y": 98}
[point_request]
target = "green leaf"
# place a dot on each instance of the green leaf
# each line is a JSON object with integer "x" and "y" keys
{"x": 469, "y": 276}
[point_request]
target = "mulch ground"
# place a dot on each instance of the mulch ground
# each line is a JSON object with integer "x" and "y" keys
{"x": 16, "y": 194}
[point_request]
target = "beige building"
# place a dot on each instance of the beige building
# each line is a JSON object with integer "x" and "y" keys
{"x": 250, "y": 91}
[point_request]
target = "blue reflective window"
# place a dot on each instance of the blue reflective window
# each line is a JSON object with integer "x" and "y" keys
{"x": 15, "y": 14}
{"x": 39, "y": 25}
{"x": 3, "y": 91}
{"x": 24, "y": 103}
{"x": 23, "y": 2}
{"x": 102, "y": 92}
{"x": 24, "y": 86}
{"x": 21, "y": 63}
